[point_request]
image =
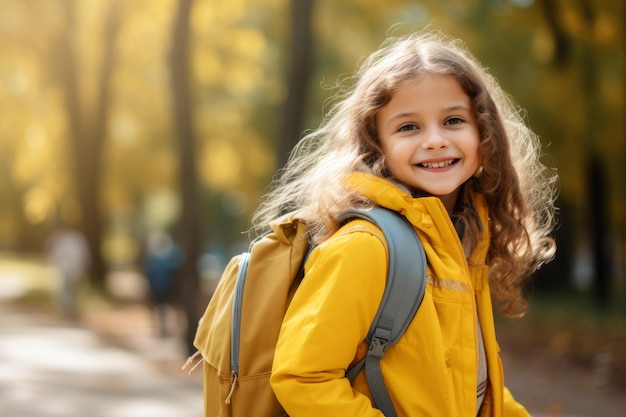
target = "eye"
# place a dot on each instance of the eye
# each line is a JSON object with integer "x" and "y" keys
{"x": 407, "y": 127}
{"x": 453, "y": 121}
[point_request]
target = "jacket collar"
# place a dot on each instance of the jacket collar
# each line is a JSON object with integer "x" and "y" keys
{"x": 425, "y": 213}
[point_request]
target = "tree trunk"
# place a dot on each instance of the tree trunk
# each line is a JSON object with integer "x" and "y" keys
{"x": 598, "y": 198}
{"x": 190, "y": 221}
{"x": 299, "y": 73}
{"x": 87, "y": 134}
{"x": 562, "y": 43}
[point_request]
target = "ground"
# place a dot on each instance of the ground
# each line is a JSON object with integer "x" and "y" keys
{"x": 562, "y": 359}
{"x": 566, "y": 357}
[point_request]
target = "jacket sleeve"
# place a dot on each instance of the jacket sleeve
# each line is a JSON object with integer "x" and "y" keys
{"x": 328, "y": 317}
{"x": 511, "y": 407}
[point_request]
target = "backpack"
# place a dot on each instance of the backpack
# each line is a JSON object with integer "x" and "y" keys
{"x": 238, "y": 332}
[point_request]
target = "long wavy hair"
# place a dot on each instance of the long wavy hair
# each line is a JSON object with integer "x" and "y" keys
{"x": 519, "y": 189}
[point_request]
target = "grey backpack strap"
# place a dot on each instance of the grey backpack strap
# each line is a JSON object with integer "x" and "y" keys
{"x": 240, "y": 283}
{"x": 406, "y": 284}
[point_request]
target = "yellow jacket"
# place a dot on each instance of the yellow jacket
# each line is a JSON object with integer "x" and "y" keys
{"x": 432, "y": 370}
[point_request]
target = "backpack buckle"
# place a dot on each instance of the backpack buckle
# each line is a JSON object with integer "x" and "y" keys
{"x": 378, "y": 346}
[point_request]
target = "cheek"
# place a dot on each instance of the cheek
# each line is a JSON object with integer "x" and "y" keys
{"x": 475, "y": 153}
{"x": 397, "y": 161}
{"x": 399, "y": 149}
{"x": 474, "y": 157}
{"x": 395, "y": 155}
{"x": 385, "y": 147}
{"x": 471, "y": 149}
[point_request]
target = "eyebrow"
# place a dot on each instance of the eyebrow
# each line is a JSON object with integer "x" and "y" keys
{"x": 409, "y": 114}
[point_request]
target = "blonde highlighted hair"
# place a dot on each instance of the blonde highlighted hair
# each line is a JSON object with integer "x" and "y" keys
{"x": 518, "y": 188}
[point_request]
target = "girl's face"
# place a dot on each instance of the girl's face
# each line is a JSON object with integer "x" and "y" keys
{"x": 429, "y": 136}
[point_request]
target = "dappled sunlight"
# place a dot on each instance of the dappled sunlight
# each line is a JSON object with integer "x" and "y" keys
{"x": 161, "y": 207}
{"x": 38, "y": 205}
{"x": 238, "y": 81}
{"x": 74, "y": 351}
{"x": 227, "y": 165}
{"x": 20, "y": 275}
{"x": 222, "y": 165}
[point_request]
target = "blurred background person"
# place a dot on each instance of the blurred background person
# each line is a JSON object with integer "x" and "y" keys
{"x": 68, "y": 253}
{"x": 162, "y": 262}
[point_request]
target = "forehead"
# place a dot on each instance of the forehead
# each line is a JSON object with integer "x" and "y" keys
{"x": 427, "y": 92}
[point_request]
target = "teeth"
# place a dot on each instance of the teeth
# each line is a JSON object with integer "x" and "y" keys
{"x": 438, "y": 164}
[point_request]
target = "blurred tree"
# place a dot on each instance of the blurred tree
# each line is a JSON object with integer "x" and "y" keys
{"x": 239, "y": 53}
{"x": 86, "y": 131}
{"x": 562, "y": 43}
{"x": 300, "y": 59}
{"x": 597, "y": 221}
{"x": 238, "y": 87}
{"x": 190, "y": 220}
{"x": 34, "y": 155}
{"x": 598, "y": 228}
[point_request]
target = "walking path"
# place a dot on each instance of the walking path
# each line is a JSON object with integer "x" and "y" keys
{"x": 51, "y": 369}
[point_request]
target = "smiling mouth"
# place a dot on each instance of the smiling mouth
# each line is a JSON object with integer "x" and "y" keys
{"x": 440, "y": 164}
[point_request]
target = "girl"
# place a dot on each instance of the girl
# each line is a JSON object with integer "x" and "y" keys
{"x": 427, "y": 132}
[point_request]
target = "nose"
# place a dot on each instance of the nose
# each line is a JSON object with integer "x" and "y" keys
{"x": 435, "y": 139}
